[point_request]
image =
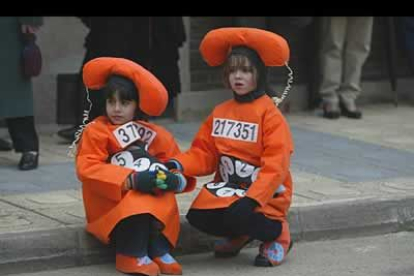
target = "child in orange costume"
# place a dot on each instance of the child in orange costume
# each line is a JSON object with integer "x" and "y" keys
{"x": 129, "y": 195}
{"x": 247, "y": 143}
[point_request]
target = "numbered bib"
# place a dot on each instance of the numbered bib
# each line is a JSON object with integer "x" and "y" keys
{"x": 131, "y": 132}
{"x": 236, "y": 130}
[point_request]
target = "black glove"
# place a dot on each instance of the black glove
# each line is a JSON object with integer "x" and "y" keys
{"x": 239, "y": 211}
{"x": 151, "y": 176}
{"x": 143, "y": 182}
{"x": 171, "y": 180}
{"x": 156, "y": 180}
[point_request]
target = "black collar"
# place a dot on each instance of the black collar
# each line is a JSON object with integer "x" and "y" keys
{"x": 249, "y": 97}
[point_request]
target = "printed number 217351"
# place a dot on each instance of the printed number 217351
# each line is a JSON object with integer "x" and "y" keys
{"x": 236, "y": 130}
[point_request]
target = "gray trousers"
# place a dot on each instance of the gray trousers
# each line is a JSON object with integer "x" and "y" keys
{"x": 346, "y": 44}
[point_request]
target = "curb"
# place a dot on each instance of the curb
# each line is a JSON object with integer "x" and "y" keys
{"x": 72, "y": 246}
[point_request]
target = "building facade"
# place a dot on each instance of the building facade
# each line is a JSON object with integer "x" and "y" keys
{"x": 61, "y": 40}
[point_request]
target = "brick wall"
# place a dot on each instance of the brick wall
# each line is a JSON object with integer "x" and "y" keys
{"x": 204, "y": 77}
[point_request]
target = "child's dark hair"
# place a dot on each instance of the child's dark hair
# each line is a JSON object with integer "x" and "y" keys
{"x": 124, "y": 87}
{"x": 126, "y": 90}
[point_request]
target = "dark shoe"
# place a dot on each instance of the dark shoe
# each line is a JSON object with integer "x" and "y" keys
{"x": 5, "y": 145}
{"x": 349, "y": 109}
{"x": 331, "y": 110}
{"x": 227, "y": 248}
{"x": 68, "y": 133}
{"x": 29, "y": 161}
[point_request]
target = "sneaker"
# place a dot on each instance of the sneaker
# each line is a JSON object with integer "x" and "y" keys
{"x": 230, "y": 247}
{"x": 168, "y": 265}
{"x": 271, "y": 254}
{"x": 29, "y": 161}
{"x": 140, "y": 266}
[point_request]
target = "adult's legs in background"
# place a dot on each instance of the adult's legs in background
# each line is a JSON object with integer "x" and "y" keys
{"x": 331, "y": 63}
{"x": 358, "y": 46}
{"x": 25, "y": 140}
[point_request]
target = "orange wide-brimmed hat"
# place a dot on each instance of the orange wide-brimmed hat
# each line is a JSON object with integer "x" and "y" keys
{"x": 153, "y": 97}
{"x": 217, "y": 45}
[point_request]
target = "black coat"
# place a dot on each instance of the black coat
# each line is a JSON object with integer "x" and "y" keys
{"x": 152, "y": 42}
{"x": 16, "y": 91}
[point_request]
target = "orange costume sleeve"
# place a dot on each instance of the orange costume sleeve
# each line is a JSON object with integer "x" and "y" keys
{"x": 172, "y": 150}
{"x": 275, "y": 160}
{"x": 201, "y": 159}
{"x": 92, "y": 167}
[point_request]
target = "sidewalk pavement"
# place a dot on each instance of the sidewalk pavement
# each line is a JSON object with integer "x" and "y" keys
{"x": 351, "y": 178}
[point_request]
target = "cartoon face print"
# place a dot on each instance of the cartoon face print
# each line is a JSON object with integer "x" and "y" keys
{"x": 237, "y": 171}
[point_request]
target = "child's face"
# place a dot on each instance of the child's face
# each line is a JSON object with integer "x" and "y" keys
{"x": 242, "y": 79}
{"x": 120, "y": 111}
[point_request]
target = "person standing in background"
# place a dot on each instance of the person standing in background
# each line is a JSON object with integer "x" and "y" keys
{"x": 346, "y": 44}
{"x": 16, "y": 105}
{"x": 153, "y": 42}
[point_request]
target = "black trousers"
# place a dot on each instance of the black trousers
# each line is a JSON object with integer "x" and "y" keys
{"x": 214, "y": 222}
{"x": 23, "y": 133}
{"x": 139, "y": 236}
